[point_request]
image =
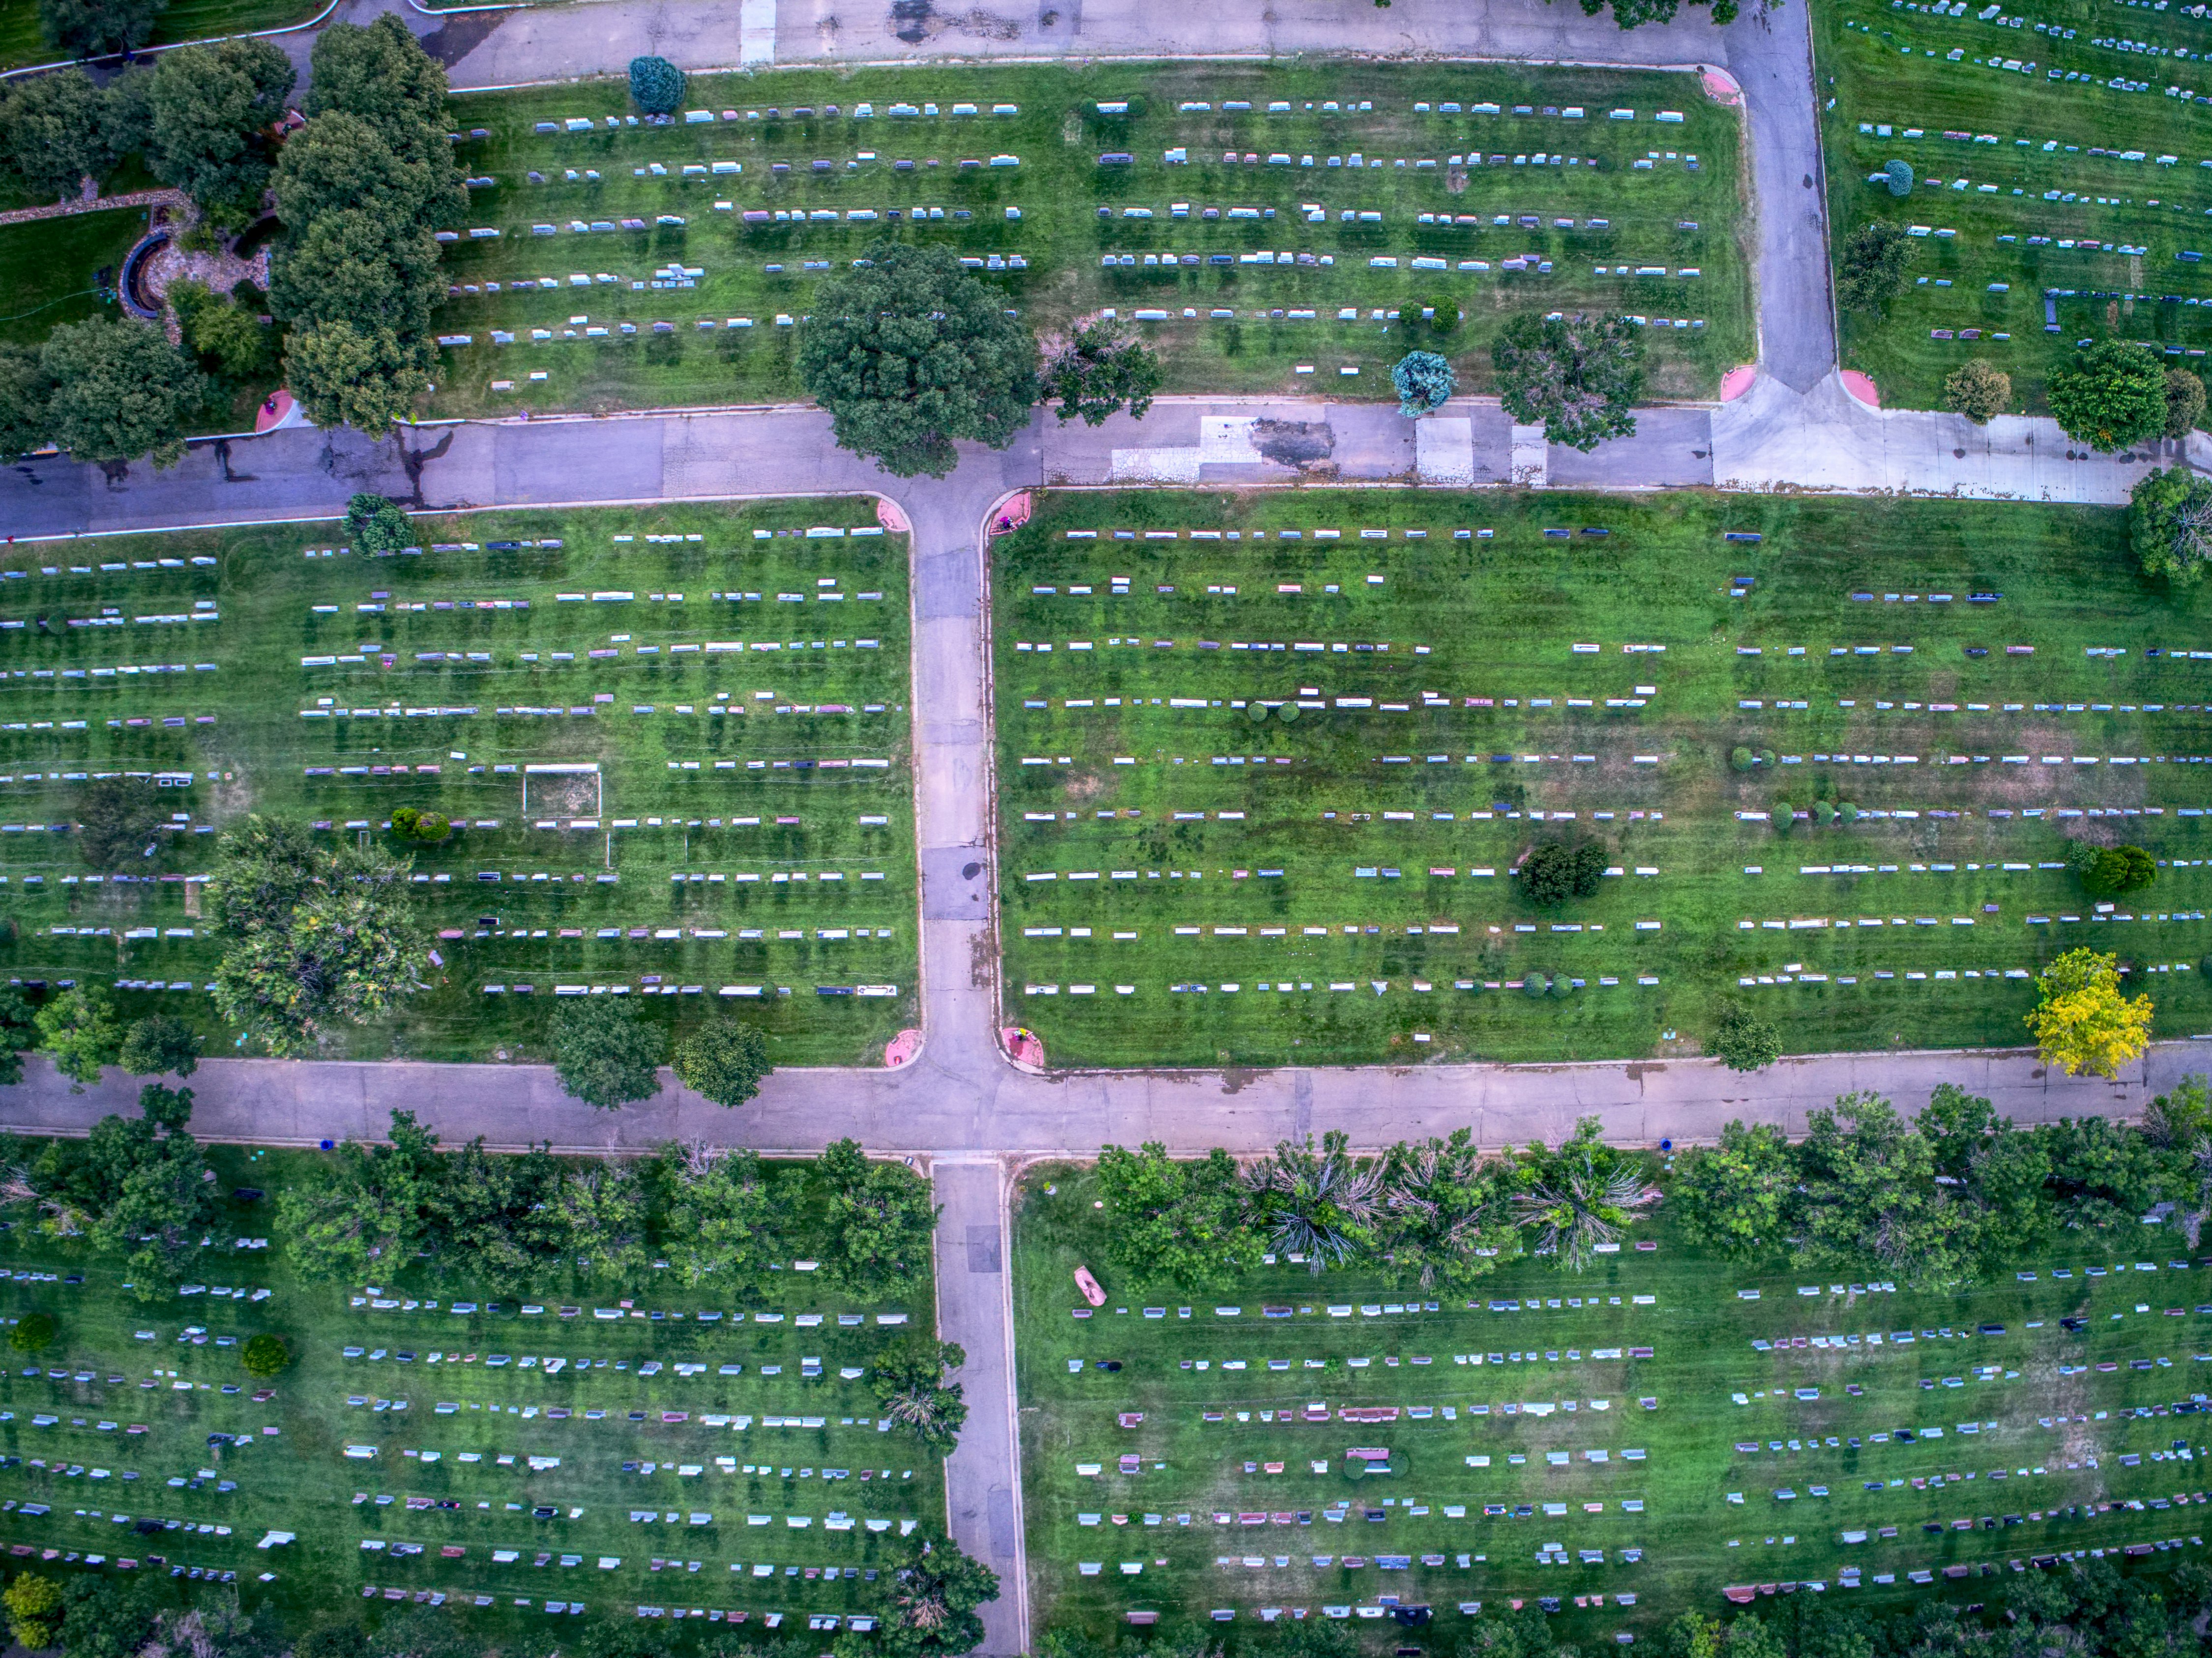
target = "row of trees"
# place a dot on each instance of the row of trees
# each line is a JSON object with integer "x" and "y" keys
{"x": 930, "y": 1597}
{"x": 1952, "y": 1195}
{"x": 511, "y": 1221}
{"x": 78, "y": 1031}
{"x": 1429, "y": 1213}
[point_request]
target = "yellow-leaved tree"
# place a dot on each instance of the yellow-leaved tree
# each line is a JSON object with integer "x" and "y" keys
{"x": 2083, "y": 1023}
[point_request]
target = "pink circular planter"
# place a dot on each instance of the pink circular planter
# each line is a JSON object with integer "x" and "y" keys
{"x": 1738, "y": 380}
{"x": 1861, "y": 388}
{"x": 901, "y": 1048}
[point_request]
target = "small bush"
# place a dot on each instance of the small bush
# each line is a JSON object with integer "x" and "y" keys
{"x": 411, "y": 824}
{"x": 1562, "y": 987}
{"x": 1980, "y": 390}
{"x": 1743, "y": 1042}
{"x": 2113, "y": 871}
{"x": 1783, "y": 814}
{"x": 1847, "y": 811}
{"x": 1257, "y": 712}
{"x": 1532, "y": 984}
{"x": 656, "y": 86}
{"x": 34, "y": 1332}
{"x": 265, "y": 1355}
{"x": 1554, "y": 872}
{"x": 1446, "y": 317}
{"x": 1288, "y": 713}
{"x": 1823, "y": 813}
{"x": 1742, "y": 758}
{"x": 374, "y": 525}
{"x": 1423, "y": 381}
{"x": 1899, "y": 178}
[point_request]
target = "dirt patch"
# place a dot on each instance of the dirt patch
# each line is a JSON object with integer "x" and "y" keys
{"x": 1455, "y": 180}
{"x": 916, "y": 20}
{"x": 983, "y": 958}
{"x": 1303, "y": 444}
{"x": 568, "y": 795}
{"x": 1085, "y": 785}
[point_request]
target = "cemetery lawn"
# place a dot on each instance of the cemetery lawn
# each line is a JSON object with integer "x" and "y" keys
{"x": 2059, "y": 168}
{"x": 48, "y": 267}
{"x": 1258, "y": 1495}
{"x": 1670, "y": 216}
{"x": 101, "y": 1378}
{"x": 1339, "y": 889}
{"x": 744, "y": 848}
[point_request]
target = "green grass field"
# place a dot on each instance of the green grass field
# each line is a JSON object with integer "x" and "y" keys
{"x": 2049, "y": 184}
{"x": 1684, "y": 211}
{"x": 21, "y": 41}
{"x": 1234, "y": 1482}
{"x": 49, "y": 270}
{"x": 744, "y": 838}
{"x": 1191, "y": 885}
{"x": 108, "y": 1455}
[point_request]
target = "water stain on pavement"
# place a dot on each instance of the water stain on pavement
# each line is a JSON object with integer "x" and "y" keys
{"x": 1304, "y": 444}
{"x": 917, "y": 20}
{"x": 457, "y": 36}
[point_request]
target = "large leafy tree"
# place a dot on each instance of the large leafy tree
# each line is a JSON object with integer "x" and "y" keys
{"x": 1734, "y": 1195}
{"x": 121, "y": 391}
{"x": 1323, "y": 1204}
{"x": 910, "y": 1380}
{"x": 726, "y": 1222}
{"x": 1581, "y": 1195}
{"x": 344, "y": 162}
{"x": 26, "y": 401}
{"x": 1578, "y": 377}
{"x": 1871, "y": 1198}
{"x": 59, "y": 130}
{"x": 934, "y": 1597}
{"x": 105, "y": 1617}
{"x": 159, "y": 1044}
{"x": 2083, "y": 1022}
{"x": 2104, "y": 1176}
{"x": 910, "y": 353}
{"x": 132, "y": 1185}
{"x": 604, "y": 1207}
{"x": 98, "y": 29}
{"x": 373, "y": 1206}
{"x": 604, "y": 1052}
{"x": 1097, "y": 370}
{"x": 1743, "y": 1042}
{"x": 724, "y": 1061}
{"x": 312, "y": 936}
{"x": 19, "y": 1029}
{"x": 1179, "y": 1223}
{"x": 365, "y": 378}
{"x": 2112, "y": 397}
{"x": 501, "y": 1219}
{"x": 380, "y": 71}
{"x": 77, "y": 1030}
{"x": 211, "y": 118}
{"x": 1996, "y": 1172}
{"x": 2170, "y": 523}
{"x": 1871, "y": 270}
{"x": 1450, "y": 1214}
{"x": 879, "y": 1220}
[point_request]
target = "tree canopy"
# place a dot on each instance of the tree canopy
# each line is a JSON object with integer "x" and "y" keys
{"x": 1555, "y": 870}
{"x": 57, "y": 131}
{"x": 118, "y": 817}
{"x": 2112, "y": 397}
{"x": 211, "y": 118}
{"x": 725, "y": 1061}
{"x": 2083, "y": 1022}
{"x": 1578, "y": 377}
{"x": 1176, "y": 1221}
{"x": 1744, "y": 1042}
{"x": 312, "y": 935}
{"x": 1098, "y": 371}
{"x": 133, "y": 1185}
{"x": 605, "y": 1051}
{"x": 1423, "y": 381}
{"x": 98, "y": 29}
{"x": 909, "y": 353}
{"x": 1871, "y": 270}
{"x": 158, "y": 1045}
{"x": 2170, "y": 523}
{"x": 119, "y": 390}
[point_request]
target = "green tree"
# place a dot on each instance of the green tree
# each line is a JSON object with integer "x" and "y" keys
{"x": 2184, "y": 402}
{"x": 726, "y": 1222}
{"x": 264, "y": 1356}
{"x": 342, "y": 163}
{"x": 1898, "y": 177}
{"x": 312, "y": 936}
{"x": 909, "y": 353}
{"x": 1872, "y": 268}
{"x": 1734, "y": 1195}
{"x": 1870, "y": 1199}
{"x": 1443, "y": 315}
{"x": 19, "y": 1029}
{"x": 2114, "y": 397}
{"x": 1584, "y": 1194}
{"x": 158, "y": 1045}
{"x": 2175, "y": 1121}
{"x": 1554, "y": 872}
{"x": 1996, "y": 1172}
{"x": 2115, "y": 871}
{"x": 910, "y": 1387}
{"x": 34, "y": 1333}
{"x": 212, "y": 111}
{"x": 878, "y": 1218}
{"x": 1423, "y": 381}
{"x": 1744, "y": 1042}
{"x": 121, "y": 391}
{"x": 1176, "y": 1223}
{"x": 346, "y": 375}
{"x": 2104, "y": 1176}
{"x": 26, "y": 401}
{"x": 1977, "y": 388}
{"x": 372, "y": 1205}
{"x": 99, "y": 28}
{"x": 1323, "y": 1205}
{"x": 381, "y": 73}
{"x": 33, "y": 1605}
{"x": 656, "y": 86}
{"x": 135, "y": 1186}
{"x": 1635, "y": 14}
{"x": 1097, "y": 372}
{"x": 77, "y": 1030}
{"x": 2170, "y": 523}
{"x": 1578, "y": 377}
{"x": 61, "y": 129}
{"x": 229, "y": 339}
{"x": 604, "y": 1052}
{"x": 724, "y": 1061}
{"x": 502, "y": 1220}
{"x": 425, "y": 828}
{"x": 2083, "y": 1021}
{"x": 934, "y": 1597}
{"x": 118, "y": 817}
{"x": 105, "y": 1617}
{"x": 1450, "y": 1213}
{"x": 374, "y": 525}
